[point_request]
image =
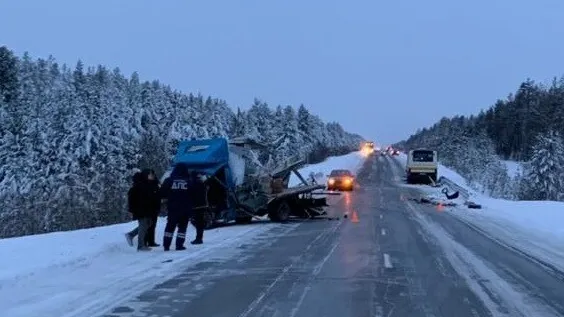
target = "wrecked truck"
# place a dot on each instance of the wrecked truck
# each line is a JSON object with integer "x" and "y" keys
{"x": 239, "y": 189}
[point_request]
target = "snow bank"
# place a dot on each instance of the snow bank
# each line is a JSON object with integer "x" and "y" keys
{"x": 535, "y": 227}
{"x": 352, "y": 161}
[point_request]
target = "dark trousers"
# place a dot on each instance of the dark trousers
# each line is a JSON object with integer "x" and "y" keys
{"x": 199, "y": 222}
{"x": 150, "y": 239}
{"x": 173, "y": 222}
{"x": 141, "y": 231}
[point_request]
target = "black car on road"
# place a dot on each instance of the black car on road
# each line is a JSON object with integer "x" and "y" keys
{"x": 340, "y": 179}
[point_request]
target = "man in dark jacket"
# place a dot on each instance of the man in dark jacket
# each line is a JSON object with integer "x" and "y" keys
{"x": 139, "y": 203}
{"x": 176, "y": 189}
{"x": 154, "y": 185}
{"x": 200, "y": 206}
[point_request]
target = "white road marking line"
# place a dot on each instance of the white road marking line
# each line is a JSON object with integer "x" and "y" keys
{"x": 387, "y": 261}
{"x": 254, "y": 304}
{"x": 383, "y": 232}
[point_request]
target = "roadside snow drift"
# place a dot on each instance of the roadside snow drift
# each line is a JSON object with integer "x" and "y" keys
{"x": 534, "y": 227}
{"x": 85, "y": 272}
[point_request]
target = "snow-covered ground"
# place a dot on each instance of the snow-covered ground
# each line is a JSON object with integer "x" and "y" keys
{"x": 535, "y": 227}
{"x": 84, "y": 272}
{"x": 77, "y": 273}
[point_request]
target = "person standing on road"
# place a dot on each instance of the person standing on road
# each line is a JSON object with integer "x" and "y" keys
{"x": 200, "y": 206}
{"x": 155, "y": 205}
{"x": 176, "y": 189}
{"x": 139, "y": 204}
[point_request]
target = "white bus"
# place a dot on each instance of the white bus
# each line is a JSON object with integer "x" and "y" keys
{"x": 422, "y": 166}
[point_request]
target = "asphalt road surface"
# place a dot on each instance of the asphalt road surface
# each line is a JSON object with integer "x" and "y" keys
{"x": 389, "y": 257}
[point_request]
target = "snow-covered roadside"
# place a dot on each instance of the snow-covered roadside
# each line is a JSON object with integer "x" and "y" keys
{"x": 81, "y": 273}
{"x": 84, "y": 272}
{"x": 535, "y": 227}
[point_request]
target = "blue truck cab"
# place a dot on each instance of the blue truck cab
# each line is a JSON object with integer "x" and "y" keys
{"x": 210, "y": 157}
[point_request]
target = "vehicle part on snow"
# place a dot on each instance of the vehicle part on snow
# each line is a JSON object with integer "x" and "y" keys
{"x": 473, "y": 205}
{"x": 450, "y": 196}
{"x": 433, "y": 201}
{"x": 444, "y": 181}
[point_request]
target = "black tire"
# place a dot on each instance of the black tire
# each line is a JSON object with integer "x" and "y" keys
{"x": 409, "y": 179}
{"x": 279, "y": 212}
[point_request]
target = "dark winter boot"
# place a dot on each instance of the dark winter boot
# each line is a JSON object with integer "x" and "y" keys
{"x": 167, "y": 240}
{"x": 180, "y": 248}
{"x": 199, "y": 235}
{"x": 151, "y": 238}
{"x": 180, "y": 243}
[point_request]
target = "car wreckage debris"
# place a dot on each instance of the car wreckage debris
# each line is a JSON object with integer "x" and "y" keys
{"x": 473, "y": 205}
{"x": 434, "y": 201}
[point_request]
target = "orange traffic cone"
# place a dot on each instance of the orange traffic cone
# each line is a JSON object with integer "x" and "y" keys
{"x": 354, "y": 217}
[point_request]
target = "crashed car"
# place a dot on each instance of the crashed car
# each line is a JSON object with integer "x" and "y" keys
{"x": 340, "y": 179}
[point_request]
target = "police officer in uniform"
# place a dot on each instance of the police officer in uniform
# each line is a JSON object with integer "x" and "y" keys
{"x": 177, "y": 189}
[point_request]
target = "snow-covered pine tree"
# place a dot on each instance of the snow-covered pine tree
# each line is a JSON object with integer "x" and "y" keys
{"x": 543, "y": 177}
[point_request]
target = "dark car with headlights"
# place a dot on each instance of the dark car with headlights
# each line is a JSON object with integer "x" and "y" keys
{"x": 340, "y": 179}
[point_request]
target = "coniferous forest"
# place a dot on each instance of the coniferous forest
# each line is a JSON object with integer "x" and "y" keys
{"x": 72, "y": 137}
{"x": 527, "y": 127}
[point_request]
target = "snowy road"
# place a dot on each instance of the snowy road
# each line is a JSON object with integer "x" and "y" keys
{"x": 398, "y": 259}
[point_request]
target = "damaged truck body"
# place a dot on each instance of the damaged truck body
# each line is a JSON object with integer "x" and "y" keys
{"x": 239, "y": 189}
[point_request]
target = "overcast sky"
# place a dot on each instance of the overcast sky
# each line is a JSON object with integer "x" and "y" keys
{"x": 380, "y": 68}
